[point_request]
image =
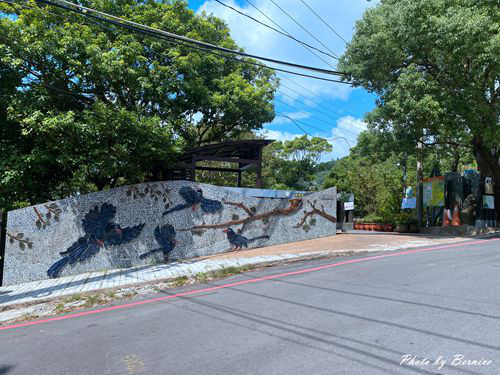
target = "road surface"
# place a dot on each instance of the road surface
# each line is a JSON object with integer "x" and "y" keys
{"x": 358, "y": 317}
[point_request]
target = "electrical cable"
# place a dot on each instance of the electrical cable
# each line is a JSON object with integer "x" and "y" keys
{"x": 90, "y": 16}
{"x": 165, "y": 34}
{"x": 337, "y": 114}
{"x": 303, "y": 28}
{"x": 274, "y": 29}
{"x": 315, "y": 94}
{"x": 319, "y": 119}
{"x": 322, "y": 20}
{"x": 286, "y": 32}
{"x": 296, "y": 124}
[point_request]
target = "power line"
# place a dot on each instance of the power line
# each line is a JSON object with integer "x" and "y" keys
{"x": 286, "y": 32}
{"x": 315, "y": 127}
{"x": 248, "y": 62}
{"x": 168, "y": 41}
{"x": 310, "y": 106}
{"x": 311, "y": 126}
{"x": 165, "y": 34}
{"x": 319, "y": 119}
{"x": 274, "y": 29}
{"x": 295, "y": 122}
{"x": 302, "y": 27}
{"x": 335, "y": 138}
{"x": 115, "y": 31}
{"x": 322, "y": 20}
{"x": 321, "y": 96}
{"x": 337, "y": 114}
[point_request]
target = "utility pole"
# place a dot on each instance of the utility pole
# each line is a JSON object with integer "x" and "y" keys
{"x": 420, "y": 187}
{"x": 3, "y": 228}
{"x": 404, "y": 164}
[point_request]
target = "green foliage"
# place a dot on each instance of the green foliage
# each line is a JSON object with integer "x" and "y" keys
{"x": 179, "y": 281}
{"x": 85, "y": 108}
{"x": 377, "y": 185}
{"x": 373, "y": 219}
{"x": 406, "y": 217}
{"x": 292, "y": 165}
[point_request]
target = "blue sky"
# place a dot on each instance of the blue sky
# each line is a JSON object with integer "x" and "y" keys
{"x": 331, "y": 109}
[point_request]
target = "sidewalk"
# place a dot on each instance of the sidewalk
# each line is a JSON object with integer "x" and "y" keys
{"x": 342, "y": 244}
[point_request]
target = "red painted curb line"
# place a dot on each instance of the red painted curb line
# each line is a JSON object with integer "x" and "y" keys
{"x": 243, "y": 282}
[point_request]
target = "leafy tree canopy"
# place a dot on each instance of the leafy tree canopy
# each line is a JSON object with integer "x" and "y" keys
{"x": 293, "y": 164}
{"x": 85, "y": 106}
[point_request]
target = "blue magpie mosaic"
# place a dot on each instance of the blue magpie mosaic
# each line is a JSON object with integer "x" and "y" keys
{"x": 100, "y": 231}
{"x": 193, "y": 198}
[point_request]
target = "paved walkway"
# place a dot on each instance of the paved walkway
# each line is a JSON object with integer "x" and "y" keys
{"x": 321, "y": 247}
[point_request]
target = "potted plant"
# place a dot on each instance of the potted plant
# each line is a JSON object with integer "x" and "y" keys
{"x": 366, "y": 223}
{"x": 379, "y": 224}
{"x": 358, "y": 224}
{"x": 387, "y": 224}
{"x": 375, "y": 222}
{"x": 402, "y": 222}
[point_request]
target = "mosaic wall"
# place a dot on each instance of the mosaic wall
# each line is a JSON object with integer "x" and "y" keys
{"x": 151, "y": 223}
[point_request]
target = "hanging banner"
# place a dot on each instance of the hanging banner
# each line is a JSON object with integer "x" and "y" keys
{"x": 433, "y": 191}
{"x": 489, "y": 202}
{"x": 409, "y": 203}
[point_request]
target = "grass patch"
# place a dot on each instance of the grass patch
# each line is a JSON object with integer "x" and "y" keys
{"x": 225, "y": 272}
{"x": 202, "y": 277}
{"x": 111, "y": 294}
{"x": 60, "y": 308}
{"x": 179, "y": 281}
{"x": 94, "y": 299}
{"x": 229, "y": 271}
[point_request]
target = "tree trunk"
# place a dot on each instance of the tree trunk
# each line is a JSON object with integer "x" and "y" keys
{"x": 488, "y": 167}
{"x": 456, "y": 162}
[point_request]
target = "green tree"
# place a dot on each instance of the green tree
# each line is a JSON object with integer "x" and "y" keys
{"x": 436, "y": 68}
{"x": 86, "y": 107}
{"x": 293, "y": 164}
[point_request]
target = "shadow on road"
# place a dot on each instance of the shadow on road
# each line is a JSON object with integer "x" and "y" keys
{"x": 304, "y": 332}
{"x": 5, "y": 369}
{"x": 390, "y": 299}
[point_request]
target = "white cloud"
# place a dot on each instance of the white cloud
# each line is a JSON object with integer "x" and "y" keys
{"x": 259, "y": 40}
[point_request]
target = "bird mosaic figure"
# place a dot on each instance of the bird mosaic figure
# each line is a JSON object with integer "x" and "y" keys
{"x": 193, "y": 198}
{"x": 238, "y": 241}
{"x": 99, "y": 232}
{"x": 165, "y": 236}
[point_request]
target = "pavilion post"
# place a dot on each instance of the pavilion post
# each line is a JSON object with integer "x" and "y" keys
{"x": 238, "y": 181}
{"x": 258, "y": 179}
{"x": 193, "y": 168}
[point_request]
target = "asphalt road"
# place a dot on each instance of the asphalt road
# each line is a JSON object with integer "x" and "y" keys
{"x": 355, "y": 318}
